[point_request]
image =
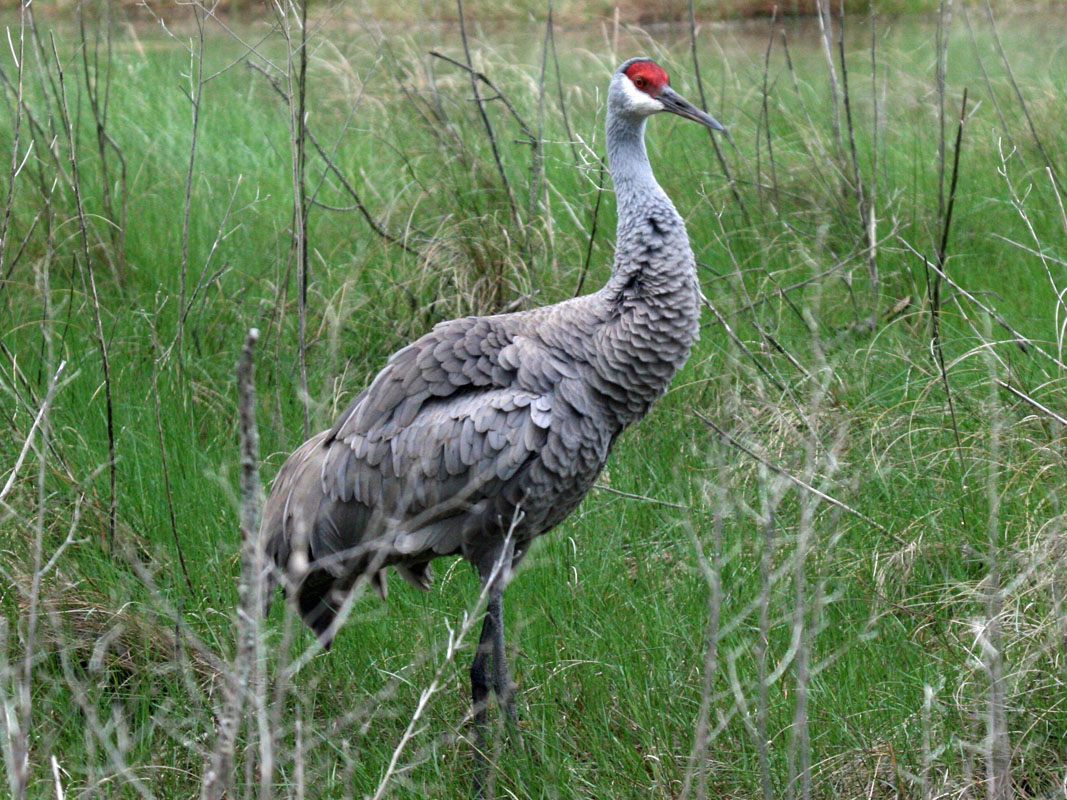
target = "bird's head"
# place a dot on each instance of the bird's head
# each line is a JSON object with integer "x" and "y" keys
{"x": 640, "y": 87}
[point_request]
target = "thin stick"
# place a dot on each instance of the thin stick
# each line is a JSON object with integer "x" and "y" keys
{"x": 744, "y": 348}
{"x": 480, "y": 102}
{"x": 104, "y": 142}
{"x": 939, "y": 355}
{"x": 1005, "y": 129}
{"x": 338, "y": 173}
{"x": 497, "y": 93}
{"x": 704, "y": 105}
{"x": 942, "y": 250}
{"x": 945, "y": 209}
{"x": 642, "y": 497}
{"x": 537, "y": 167}
{"x": 997, "y": 745}
{"x": 781, "y": 471}
{"x": 771, "y": 494}
{"x": 16, "y": 163}
{"x": 1028, "y": 399}
{"x": 559, "y": 86}
{"x": 83, "y": 224}
{"x": 298, "y": 138}
{"x": 163, "y": 463}
{"x": 218, "y": 778}
{"x": 765, "y": 116}
{"x": 822, "y": 14}
{"x": 712, "y": 569}
{"x": 1019, "y": 94}
{"x": 20, "y": 746}
{"x": 196, "y": 67}
{"x": 864, "y": 206}
{"x": 592, "y": 231}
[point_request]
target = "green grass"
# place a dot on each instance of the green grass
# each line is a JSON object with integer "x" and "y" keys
{"x": 608, "y": 619}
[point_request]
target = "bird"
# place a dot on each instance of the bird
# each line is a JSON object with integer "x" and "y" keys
{"x": 488, "y": 431}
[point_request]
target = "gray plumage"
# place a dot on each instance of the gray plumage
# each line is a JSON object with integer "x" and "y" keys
{"x": 488, "y": 431}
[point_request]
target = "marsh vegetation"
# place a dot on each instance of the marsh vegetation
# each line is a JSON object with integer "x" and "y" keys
{"x": 829, "y": 564}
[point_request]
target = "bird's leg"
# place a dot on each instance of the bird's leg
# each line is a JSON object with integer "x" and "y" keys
{"x": 480, "y": 698}
{"x": 491, "y": 648}
{"x": 502, "y": 684}
{"x": 480, "y": 677}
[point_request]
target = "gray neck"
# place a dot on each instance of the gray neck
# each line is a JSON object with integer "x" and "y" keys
{"x": 652, "y": 292}
{"x": 651, "y": 238}
{"x": 635, "y": 185}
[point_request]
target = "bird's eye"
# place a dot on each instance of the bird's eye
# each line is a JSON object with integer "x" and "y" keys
{"x": 640, "y": 82}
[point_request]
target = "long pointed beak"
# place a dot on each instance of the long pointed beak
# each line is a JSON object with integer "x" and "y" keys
{"x": 676, "y": 104}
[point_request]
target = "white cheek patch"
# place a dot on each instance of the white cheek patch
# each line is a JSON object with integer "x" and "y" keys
{"x": 638, "y": 101}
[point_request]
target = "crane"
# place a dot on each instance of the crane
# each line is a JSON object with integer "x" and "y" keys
{"x": 489, "y": 430}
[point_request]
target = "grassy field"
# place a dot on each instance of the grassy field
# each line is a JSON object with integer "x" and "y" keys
{"x": 829, "y": 564}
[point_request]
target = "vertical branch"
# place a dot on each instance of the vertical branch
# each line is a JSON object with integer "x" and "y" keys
{"x": 800, "y": 741}
{"x": 704, "y": 105}
{"x": 218, "y": 778}
{"x": 196, "y": 67}
{"x": 872, "y": 199}
{"x": 946, "y": 220}
{"x": 712, "y": 570}
{"x": 254, "y": 586}
{"x": 997, "y": 742}
{"x": 480, "y": 102}
{"x": 17, "y": 163}
{"x": 1019, "y": 94}
{"x": 559, "y": 87}
{"x": 17, "y": 725}
{"x": 934, "y": 289}
{"x": 98, "y": 105}
{"x": 927, "y": 750}
{"x": 298, "y": 111}
{"x": 765, "y": 117}
{"x": 163, "y": 457}
{"x": 537, "y": 164}
{"x": 592, "y": 231}
{"x": 822, "y": 14}
{"x": 768, "y": 520}
{"x": 83, "y": 229}
{"x": 944, "y": 18}
{"x": 865, "y": 209}
{"x": 24, "y": 700}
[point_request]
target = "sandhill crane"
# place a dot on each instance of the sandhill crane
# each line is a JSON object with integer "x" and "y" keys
{"x": 488, "y": 431}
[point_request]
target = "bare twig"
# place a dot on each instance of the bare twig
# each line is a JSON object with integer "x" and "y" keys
{"x": 195, "y": 95}
{"x": 17, "y": 161}
{"x": 592, "y": 231}
{"x": 83, "y": 228}
{"x": 792, "y": 478}
{"x": 28, "y": 443}
{"x": 744, "y": 348}
{"x": 218, "y": 778}
{"x": 712, "y": 571}
{"x": 1019, "y": 94}
{"x": 331, "y": 165}
{"x": 825, "y": 18}
{"x": 163, "y": 460}
{"x": 704, "y": 105}
{"x": 480, "y": 102}
{"x": 559, "y": 86}
{"x": 642, "y": 497}
{"x": 98, "y": 104}
{"x": 772, "y": 493}
{"x": 997, "y": 744}
{"x": 1031, "y": 401}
